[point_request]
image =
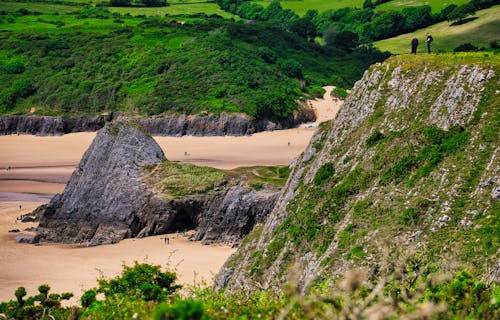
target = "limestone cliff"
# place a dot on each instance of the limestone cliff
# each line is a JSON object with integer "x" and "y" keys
{"x": 410, "y": 162}
{"x": 174, "y": 125}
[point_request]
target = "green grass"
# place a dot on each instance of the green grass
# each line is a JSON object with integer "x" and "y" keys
{"x": 37, "y": 7}
{"x": 480, "y": 32}
{"x": 181, "y": 9}
{"x": 301, "y": 6}
{"x": 436, "y": 5}
{"x": 177, "y": 179}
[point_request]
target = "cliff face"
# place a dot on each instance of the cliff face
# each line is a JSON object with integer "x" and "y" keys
{"x": 210, "y": 125}
{"x": 410, "y": 163}
{"x": 104, "y": 201}
{"x": 107, "y": 198}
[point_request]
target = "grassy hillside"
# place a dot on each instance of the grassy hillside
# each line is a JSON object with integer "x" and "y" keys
{"x": 188, "y": 8}
{"x": 436, "y": 5}
{"x": 176, "y": 7}
{"x": 177, "y": 179}
{"x": 401, "y": 174}
{"x": 95, "y": 61}
{"x": 301, "y": 6}
{"x": 480, "y": 32}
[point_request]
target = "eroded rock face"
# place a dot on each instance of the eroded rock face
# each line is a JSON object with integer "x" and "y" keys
{"x": 209, "y": 125}
{"x": 104, "y": 201}
{"x": 232, "y": 214}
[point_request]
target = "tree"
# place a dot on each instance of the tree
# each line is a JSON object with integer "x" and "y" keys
{"x": 304, "y": 28}
{"x": 443, "y": 15}
{"x": 461, "y": 12}
{"x": 346, "y": 40}
{"x": 417, "y": 17}
{"x": 120, "y": 3}
{"x": 368, "y": 4}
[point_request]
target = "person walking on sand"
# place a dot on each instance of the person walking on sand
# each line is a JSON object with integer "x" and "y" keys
{"x": 414, "y": 45}
{"x": 428, "y": 41}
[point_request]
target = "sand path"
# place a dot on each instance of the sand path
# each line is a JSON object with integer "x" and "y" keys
{"x": 40, "y": 167}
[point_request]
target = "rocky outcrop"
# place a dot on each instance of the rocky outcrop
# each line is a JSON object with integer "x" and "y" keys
{"x": 106, "y": 201}
{"x": 209, "y": 125}
{"x": 410, "y": 161}
{"x": 232, "y": 214}
{"x": 47, "y": 125}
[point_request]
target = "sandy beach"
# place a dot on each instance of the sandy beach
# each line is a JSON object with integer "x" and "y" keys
{"x": 33, "y": 168}
{"x": 69, "y": 268}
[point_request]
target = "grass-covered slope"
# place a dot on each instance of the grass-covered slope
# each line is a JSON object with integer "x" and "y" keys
{"x": 302, "y": 6}
{"x": 478, "y": 32}
{"x": 407, "y": 170}
{"x": 177, "y": 179}
{"x": 94, "y": 62}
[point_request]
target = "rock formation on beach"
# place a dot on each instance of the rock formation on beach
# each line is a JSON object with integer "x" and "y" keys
{"x": 106, "y": 199}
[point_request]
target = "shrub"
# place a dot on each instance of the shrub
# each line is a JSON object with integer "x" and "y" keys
{"x": 324, "y": 173}
{"x": 409, "y": 217}
{"x": 292, "y": 68}
{"x": 374, "y": 138}
{"x": 466, "y": 47}
{"x": 142, "y": 281}
{"x": 88, "y": 298}
{"x": 14, "y": 67}
{"x": 188, "y": 309}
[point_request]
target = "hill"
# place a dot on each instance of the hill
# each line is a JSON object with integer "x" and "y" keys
{"x": 480, "y": 32}
{"x": 407, "y": 172}
{"x": 302, "y": 6}
{"x": 95, "y": 62}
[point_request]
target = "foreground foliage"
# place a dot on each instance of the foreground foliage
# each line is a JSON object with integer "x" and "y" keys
{"x": 144, "y": 291}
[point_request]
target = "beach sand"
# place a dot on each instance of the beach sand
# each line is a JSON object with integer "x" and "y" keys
{"x": 34, "y": 168}
{"x": 71, "y": 268}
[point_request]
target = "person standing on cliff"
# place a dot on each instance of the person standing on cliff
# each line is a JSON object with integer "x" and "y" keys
{"x": 414, "y": 45}
{"x": 428, "y": 41}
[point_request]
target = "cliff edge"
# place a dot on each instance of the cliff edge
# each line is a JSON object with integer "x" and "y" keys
{"x": 409, "y": 167}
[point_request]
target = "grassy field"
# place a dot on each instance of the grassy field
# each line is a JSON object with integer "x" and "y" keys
{"x": 301, "y": 6}
{"x": 37, "y": 7}
{"x": 480, "y": 32}
{"x": 436, "y": 5}
{"x": 176, "y": 8}
{"x": 207, "y": 8}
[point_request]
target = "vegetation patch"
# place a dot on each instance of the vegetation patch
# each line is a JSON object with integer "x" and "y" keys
{"x": 438, "y": 144}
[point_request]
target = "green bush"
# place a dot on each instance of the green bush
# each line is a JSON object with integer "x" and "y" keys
{"x": 88, "y": 298}
{"x": 188, "y": 309}
{"x": 142, "y": 281}
{"x": 374, "y": 138}
{"x": 409, "y": 217}
{"x": 324, "y": 173}
{"x": 14, "y": 67}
